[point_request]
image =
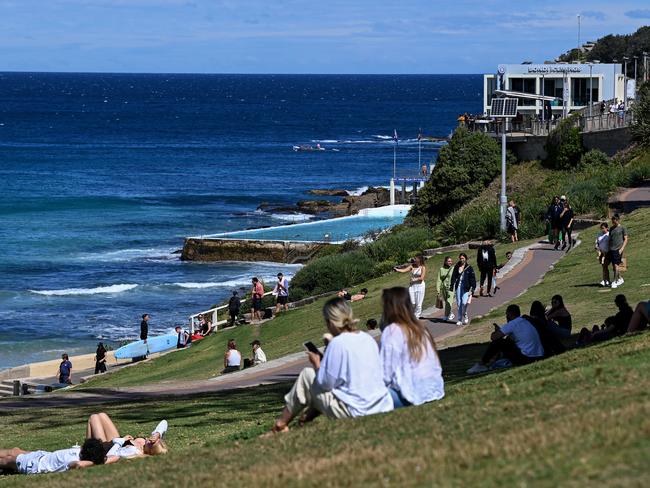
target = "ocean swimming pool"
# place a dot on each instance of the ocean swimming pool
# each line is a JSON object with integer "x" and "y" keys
{"x": 333, "y": 230}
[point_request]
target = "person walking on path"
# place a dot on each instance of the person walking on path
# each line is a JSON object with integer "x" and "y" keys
{"x": 463, "y": 284}
{"x": 417, "y": 285}
{"x": 281, "y": 292}
{"x": 443, "y": 285}
{"x": 347, "y": 381}
{"x": 144, "y": 328}
{"x": 65, "y": 370}
{"x": 617, "y": 242}
{"x": 512, "y": 225}
{"x": 257, "y": 293}
{"x": 100, "y": 359}
{"x": 566, "y": 223}
{"x": 233, "y": 307}
{"x": 412, "y": 370}
{"x": 486, "y": 260}
{"x": 553, "y": 218}
{"x": 602, "y": 246}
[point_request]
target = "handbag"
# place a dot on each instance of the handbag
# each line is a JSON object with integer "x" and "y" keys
{"x": 439, "y": 302}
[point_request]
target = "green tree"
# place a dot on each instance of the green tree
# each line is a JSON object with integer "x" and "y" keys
{"x": 641, "y": 127}
{"x": 464, "y": 168}
{"x": 564, "y": 145}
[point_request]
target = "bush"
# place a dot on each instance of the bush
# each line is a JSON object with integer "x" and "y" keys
{"x": 641, "y": 127}
{"x": 594, "y": 157}
{"x": 465, "y": 167}
{"x": 564, "y": 145}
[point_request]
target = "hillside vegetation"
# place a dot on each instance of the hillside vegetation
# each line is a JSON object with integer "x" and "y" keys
{"x": 578, "y": 419}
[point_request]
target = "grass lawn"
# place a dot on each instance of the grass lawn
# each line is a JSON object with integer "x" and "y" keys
{"x": 578, "y": 419}
{"x": 283, "y": 335}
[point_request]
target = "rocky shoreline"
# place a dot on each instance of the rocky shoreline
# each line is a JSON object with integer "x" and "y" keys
{"x": 348, "y": 205}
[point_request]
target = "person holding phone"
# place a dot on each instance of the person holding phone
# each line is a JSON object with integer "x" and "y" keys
{"x": 417, "y": 285}
{"x": 412, "y": 370}
{"x": 347, "y": 381}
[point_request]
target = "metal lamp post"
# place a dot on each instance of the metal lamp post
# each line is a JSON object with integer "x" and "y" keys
{"x": 591, "y": 91}
{"x": 625, "y": 60}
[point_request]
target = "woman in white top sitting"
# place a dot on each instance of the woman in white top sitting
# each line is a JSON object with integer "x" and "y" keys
{"x": 232, "y": 358}
{"x": 101, "y": 427}
{"x": 417, "y": 285}
{"x": 411, "y": 365}
{"x": 346, "y": 382}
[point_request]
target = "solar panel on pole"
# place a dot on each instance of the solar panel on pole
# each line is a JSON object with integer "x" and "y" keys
{"x": 503, "y": 108}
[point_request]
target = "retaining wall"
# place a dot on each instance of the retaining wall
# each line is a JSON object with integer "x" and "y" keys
{"x": 248, "y": 250}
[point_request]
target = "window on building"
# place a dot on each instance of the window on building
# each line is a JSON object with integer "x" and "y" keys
{"x": 580, "y": 91}
{"x": 553, "y": 87}
{"x": 490, "y": 86}
{"x": 525, "y": 85}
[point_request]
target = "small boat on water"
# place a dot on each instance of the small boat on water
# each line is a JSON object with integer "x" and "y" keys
{"x": 307, "y": 148}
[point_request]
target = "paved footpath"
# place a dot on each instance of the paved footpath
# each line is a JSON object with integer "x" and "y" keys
{"x": 527, "y": 266}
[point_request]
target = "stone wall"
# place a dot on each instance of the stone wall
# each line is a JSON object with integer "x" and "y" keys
{"x": 248, "y": 250}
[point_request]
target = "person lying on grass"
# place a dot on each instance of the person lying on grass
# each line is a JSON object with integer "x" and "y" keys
{"x": 613, "y": 326}
{"x": 517, "y": 341}
{"x": 101, "y": 427}
{"x": 18, "y": 460}
{"x": 412, "y": 369}
{"x": 346, "y": 382}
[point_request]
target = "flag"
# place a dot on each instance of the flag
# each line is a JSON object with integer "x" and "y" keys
{"x": 395, "y": 135}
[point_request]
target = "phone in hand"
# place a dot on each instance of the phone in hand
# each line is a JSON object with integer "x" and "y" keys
{"x": 311, "y": 347}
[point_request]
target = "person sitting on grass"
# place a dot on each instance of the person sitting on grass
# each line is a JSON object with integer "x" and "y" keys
{"x": 346, "y": 382}
{"x": 18, "y": 460}
{"x": 545, "y": 329}
{"x": 371, "y": 324}
{"x": 613, "y": 326}
{"x": 560, "y": 316}
{"x": 412, "y": 370}
{"x": 640, "y": 317}
{"x": 517, "y": 341}
{"x": 232, "y": 358}
{"x": 101, "y": 427}
{"x": 205, "y": 325}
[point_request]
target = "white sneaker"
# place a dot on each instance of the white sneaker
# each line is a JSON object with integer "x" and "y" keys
{"x": 614, "y": 284}
{"x": 604, "y": 283}
{"x": 478, "y": 368}
{"x": 620, "y": 281}
{"x": 466, "y": 320}
{"x": 459, "y": 323}
{"x": 161, "y": 428}
{"x": 451, "y": 317}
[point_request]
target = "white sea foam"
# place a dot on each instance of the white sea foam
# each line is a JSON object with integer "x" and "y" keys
{"x": 362, "y": 189}
{"x": 379, "y": 136}
{"x": 325, "y": 141}
{"x": 129, "y": 254}
{"x": 293, "y": 217}
{"x": 86, "y": 291}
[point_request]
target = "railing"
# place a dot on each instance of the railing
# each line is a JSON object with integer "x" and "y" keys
{"x": 215, "y": 314}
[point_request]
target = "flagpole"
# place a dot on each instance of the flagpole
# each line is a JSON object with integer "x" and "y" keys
{"x": 420, "y": 150}
{"x": 395, "y": 154}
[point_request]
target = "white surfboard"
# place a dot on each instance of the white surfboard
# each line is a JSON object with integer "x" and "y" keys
{"x": 154, "y": 344}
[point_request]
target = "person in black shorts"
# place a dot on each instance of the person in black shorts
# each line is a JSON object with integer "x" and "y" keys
{"x": 257, "y": 292}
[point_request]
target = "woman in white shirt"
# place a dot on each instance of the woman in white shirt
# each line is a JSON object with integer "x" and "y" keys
{"x": 417, "y": 285}
{"x": 347, "y": 381}
{"x": 101, "y": 427}
{"x": 412, "y": 370}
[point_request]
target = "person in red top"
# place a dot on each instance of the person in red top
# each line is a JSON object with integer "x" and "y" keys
{"x": 257, "y": 292}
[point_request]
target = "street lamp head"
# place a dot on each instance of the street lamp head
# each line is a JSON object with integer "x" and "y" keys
{"x": 625, "y": 58}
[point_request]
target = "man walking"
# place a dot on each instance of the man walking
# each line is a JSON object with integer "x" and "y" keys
{"x": 233, "y": 307}
{"x": 512, "y": 224}
{"x": 281, "y": 291}
{"x": 65, "y": 370}
{"x": 486, "y": 260}
{"x": 617, "y": 243}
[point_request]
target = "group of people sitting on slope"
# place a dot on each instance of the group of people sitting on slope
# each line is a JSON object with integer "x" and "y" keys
{"x": 103, "y": 445}
{"x": 544, "y": 332}
{"x": 356, "y": 377}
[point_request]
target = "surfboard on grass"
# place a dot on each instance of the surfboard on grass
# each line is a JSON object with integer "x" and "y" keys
{"x": 153, "y": 345}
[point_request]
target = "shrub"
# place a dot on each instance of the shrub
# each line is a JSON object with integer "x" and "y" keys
{"x": 594, "y": 157}
{"x": 465, "y": 167}
{"x": 564, "y": 144}
{"x": 641, "y": 127}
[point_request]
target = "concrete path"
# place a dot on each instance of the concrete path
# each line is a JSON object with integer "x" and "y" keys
{"x": 630, "y": 199}
{"x": 525, "y": 269}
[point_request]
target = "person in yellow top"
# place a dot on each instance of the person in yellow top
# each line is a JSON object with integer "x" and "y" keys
{"x": 442, "y": 287}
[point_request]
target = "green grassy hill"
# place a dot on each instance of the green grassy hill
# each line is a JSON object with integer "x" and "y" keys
{"x": 579, "y": 419}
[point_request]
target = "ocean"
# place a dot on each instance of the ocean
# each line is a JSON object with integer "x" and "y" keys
{"x": 103, "y": 175}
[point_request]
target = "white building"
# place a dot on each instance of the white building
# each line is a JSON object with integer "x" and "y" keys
{"x": 569, "y": 84}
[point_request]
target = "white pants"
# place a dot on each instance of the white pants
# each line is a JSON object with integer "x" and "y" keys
{"x": 306, "y": 393}
{"x": 416, "y": 292}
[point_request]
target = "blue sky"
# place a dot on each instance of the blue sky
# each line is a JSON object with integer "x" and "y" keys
{"x": 299, "y": 36}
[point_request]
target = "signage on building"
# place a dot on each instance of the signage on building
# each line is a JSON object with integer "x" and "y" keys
{"x": 555, "y": 68}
